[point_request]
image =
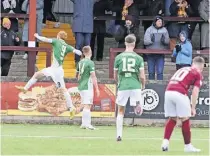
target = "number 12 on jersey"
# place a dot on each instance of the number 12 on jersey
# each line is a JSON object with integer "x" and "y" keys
{"x": 128, "y": 64}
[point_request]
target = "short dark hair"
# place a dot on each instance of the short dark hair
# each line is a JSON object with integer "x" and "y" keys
{"x": 130, "y": 38}
{"x": 86, "y": 49}
{"x": 198, "y": 59}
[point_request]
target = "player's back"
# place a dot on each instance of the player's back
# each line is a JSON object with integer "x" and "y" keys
{"x": 60, "y": 49}
{"x": 85, "y": 67}
{"x": 128, "y": 65}
{"x": 183, "y": 79}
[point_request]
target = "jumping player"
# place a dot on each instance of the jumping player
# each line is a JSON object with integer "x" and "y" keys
{"x": 129, "y": 72}
{"x": 87, "y": 80}
{"x": 60, "y": 50}
{"x": 177, "y": 104}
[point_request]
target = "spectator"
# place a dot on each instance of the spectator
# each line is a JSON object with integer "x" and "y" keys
{"x": 178, "y": 8}
{"x": 39, "y": 15}
{"x": 124, "y": 8}
{"x": 156, "y": 37}
{"x": 82, "y": 23}
{"x": 204, "y": 13}
{"x": 153, "y": 8}
{"x": 11, "y": 6}
{"x": 99, "y": 29}
{"x": 8, "y": 38}
{"x": 194, "y": 6}
{"x": 48, "y": 15}
{"x": 183, "y": 52}
{"x": 128, "y": 28}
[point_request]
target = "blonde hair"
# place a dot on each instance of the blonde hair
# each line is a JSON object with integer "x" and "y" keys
{"x": 63, "y": 35}
{"x": 130, "y": 39}
{"x": 86, "y": 49}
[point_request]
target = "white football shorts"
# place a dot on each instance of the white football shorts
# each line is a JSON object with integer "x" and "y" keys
{"x": 124, "y": 95}
{"x": 176, "y": 105}
{"x": 57, "y": 75}
{"x": 86, "y": 97}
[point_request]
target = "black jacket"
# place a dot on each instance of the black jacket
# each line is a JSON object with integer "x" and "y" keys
{"x": 153, "y": 7}
{"x": 123, "y": 31}
{"x": 8, "y": 39}
{"x": 99, "y": 10}
{"x": 194, "y": 5}
{"x": 174, "y": 9}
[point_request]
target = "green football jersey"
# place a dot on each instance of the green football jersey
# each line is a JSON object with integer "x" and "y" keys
{"x": 85, "y": 67}
{"x": 128, "y": 65}
{"x": 60, "y": 50}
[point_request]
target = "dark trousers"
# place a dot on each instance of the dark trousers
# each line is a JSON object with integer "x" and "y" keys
{"x": 179, "y": 66}
{"x": 5, "y": 66}
{"x": 82, "y": 39}
{"x": 100, "y": 45}
{"x": 155, "y": 63}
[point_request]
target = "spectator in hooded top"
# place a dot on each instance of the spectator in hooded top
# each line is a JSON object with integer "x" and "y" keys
{"x": 183, "y": 52}
{"x": 204, "y": 10}
{"x": 8, "y": 38}
{"x": 179, "y": 8}
{"x": 128, "y": 28}
{"x": 11, "y": 6}
{"x": 156, "y": 37}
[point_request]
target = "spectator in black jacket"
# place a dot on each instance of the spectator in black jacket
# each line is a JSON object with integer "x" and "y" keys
{"x": 195, "y": 13}
{"x": 11, "y": 6}
{"x": 128, "y": 28}
{"x": 99, "y": 28}
{"x": 8, "y": 38}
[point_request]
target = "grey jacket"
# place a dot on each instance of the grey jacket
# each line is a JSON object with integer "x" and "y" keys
{"x": 204, "y": 13}
{"x": 39, "y": 15}
{"x": 83, "y": 16}
{"x": 161, "y": 38}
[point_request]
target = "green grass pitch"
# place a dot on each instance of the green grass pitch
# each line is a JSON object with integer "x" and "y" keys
{"x": 18, "y": 139}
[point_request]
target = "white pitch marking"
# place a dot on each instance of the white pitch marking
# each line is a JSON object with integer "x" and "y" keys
{"x": 86, "y": 137}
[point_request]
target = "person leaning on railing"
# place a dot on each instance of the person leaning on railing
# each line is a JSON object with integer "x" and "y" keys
{"x": 8, "y": 38}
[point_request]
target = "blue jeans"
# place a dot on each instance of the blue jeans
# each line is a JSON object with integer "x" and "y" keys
{"x": 82, "y": 39}
{"x": 155, "y": 62}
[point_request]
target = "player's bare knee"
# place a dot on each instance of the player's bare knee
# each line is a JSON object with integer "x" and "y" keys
{"x": 121, "y": 110}
{"x": 38, "y": 75}
{"x": 184, "y": 119}
{"x": 87, "y": 107}
{"x": 173, "y": 118}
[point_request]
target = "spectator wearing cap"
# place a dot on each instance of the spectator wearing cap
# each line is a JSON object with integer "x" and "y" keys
{"x": 183, "y": 51}
{"x": 156, "y": 37}
{"x": 128, "y": 28}
{"x": 8, "y": 38}
{"x": 204, "y": 10}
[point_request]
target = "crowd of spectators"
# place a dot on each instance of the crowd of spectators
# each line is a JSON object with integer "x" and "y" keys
{"x": 175, "y": 36}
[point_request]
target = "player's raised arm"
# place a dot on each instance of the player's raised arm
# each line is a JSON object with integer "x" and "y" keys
{"x": 43, "y": 39}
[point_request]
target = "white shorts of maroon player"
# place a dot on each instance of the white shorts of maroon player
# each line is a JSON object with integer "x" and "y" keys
{"x": 57, "y": 75}
{"x": 124, "y": 95}
{"x": 177, "y": 105}
{"x": 86, "y": 97}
